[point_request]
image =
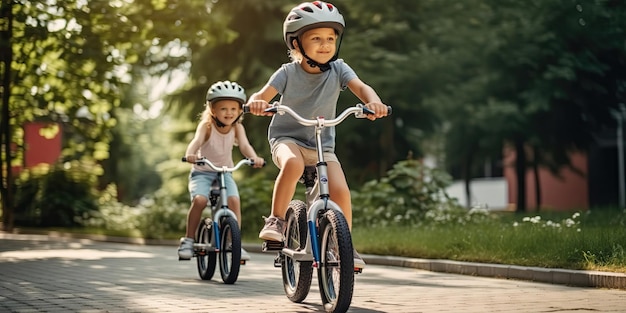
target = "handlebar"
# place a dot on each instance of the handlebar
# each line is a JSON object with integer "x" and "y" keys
{"x": 359, "y": 111}
{"x": 205, "y": 161}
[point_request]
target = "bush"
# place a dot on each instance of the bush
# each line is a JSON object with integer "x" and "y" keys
{"x": 255, "y": 194}
{"x": 55, "y": 196}
{"x": 404, "y": 196}
{"x": 155, "y": 217}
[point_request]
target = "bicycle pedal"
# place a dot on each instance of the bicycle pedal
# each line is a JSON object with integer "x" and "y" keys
{"x": 182, "y": 259}
{"x": 242, "y": 262}
{"x": 358, "y": 270}
{"x": 272, "y": 246}
{"x": 278, "y": 260}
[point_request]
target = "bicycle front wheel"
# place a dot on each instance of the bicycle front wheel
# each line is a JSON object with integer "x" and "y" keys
{"x": 230, "y": 250}
{"x": 205, "y": 256}
{"x": 336, "y": 269}
{"x": 297, "y": 275}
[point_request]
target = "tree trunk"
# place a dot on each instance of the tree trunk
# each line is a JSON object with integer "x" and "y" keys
{"x": 6, "y": 54}
{"x": 520, "y": 172}
{"x": 537, "y": 180}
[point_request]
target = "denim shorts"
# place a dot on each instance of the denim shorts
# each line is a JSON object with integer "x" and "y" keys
{"x": 200, "y": 183}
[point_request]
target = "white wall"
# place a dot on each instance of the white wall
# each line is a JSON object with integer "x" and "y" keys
{"x": 491, "y": 192}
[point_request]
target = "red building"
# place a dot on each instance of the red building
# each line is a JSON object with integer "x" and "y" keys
{"x": 568, "y": 190}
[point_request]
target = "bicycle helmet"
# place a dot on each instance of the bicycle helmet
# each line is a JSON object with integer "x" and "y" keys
{"x": 226, "y": 90}
{"x": 309, "y": 15}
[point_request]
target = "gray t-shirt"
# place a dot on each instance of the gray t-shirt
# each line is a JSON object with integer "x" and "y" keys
{"x": 310, "y": 95}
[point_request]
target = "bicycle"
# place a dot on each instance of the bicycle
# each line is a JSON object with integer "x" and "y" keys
{"x": 219, "y": 236}
{"x": 317, "y": 233}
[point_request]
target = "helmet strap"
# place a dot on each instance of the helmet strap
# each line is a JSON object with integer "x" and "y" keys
{"x": 218, "y": 123}
{"x": 323, "y": 67}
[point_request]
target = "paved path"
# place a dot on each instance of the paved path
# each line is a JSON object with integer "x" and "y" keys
{"x": 39, "y": 273}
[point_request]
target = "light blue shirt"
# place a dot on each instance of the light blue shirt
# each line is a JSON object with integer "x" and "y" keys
{"x": 310, "y": 95}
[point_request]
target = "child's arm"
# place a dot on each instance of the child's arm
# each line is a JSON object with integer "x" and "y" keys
{"x": 246, "y": 148}
{"x": 192, "y": 149}
{"x": 369, "y": 97}
{"x": 259, "y": 101}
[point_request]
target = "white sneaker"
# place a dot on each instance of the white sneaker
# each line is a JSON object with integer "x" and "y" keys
{"x": 358, "y": 261}
{"x": 273, "y": 229}
{"x": 244, "y": 255}
{"x": 185, "y": 250}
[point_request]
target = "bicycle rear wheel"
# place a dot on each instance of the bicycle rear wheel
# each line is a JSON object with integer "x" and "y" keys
{"x": 205, "y": 256}
{"x": 230, "y": 250}
{"x": 336, "y": 269}
{"x": 297, "y": 276}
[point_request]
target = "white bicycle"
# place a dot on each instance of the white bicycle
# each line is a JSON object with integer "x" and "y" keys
{"x": 317, "y": 233}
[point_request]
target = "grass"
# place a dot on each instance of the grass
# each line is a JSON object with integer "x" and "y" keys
{"x": 593, "y": 241}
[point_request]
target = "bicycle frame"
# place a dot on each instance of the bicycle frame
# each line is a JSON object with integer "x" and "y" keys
{"x": 321, "y": 189}
{"x": 220, "y": 210}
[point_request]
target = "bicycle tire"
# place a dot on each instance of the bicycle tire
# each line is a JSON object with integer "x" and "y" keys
{"x": 206, "y": 259}
{"x": 230, "y": 250}
{"x": 336, "y": 268}
{"x": 297, "y": 276}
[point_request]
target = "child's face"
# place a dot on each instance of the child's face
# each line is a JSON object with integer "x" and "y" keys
{"x": 226, "y": 111}
{"x": 319, "y": 44}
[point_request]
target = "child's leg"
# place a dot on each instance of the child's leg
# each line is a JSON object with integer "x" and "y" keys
{"x": 289, "y": 160}
{"x": 339, "y": 190}
{"x": 340, "y": 194}
{"x": 195, "y": 214}
{"x": 235, "y": 205}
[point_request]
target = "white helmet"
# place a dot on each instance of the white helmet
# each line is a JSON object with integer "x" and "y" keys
{"x": 309, "y": 15}
{"x": 226, "y": 90}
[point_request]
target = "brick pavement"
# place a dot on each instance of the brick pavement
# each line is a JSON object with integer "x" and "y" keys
{"x": 40, "y": 273}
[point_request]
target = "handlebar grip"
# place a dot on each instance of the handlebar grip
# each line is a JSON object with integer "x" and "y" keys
{"x": 389, "y": 110}
{"x": 246, "y": 109}
{"x": 184, "y": 159}
{"x": 252, "y": 163}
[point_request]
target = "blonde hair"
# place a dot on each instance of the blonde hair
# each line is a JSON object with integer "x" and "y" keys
{"x": 295, "y": 55}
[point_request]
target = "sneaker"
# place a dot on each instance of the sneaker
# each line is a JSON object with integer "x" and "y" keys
{"x": 273, "y": 229}
{"x": 244, "y": 255}
{"x": 358, "y": 261}
{"x": 185, "y": 250}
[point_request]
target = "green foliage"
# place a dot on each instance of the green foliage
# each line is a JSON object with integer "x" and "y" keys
{"x": 154, "y": 218}
{"x": 403, "y": 197}
{"x": 55, "y": 196}
{"x": 255, "y": 193}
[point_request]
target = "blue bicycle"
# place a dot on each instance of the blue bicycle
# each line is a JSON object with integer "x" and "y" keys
{"x": 219, "y": 236}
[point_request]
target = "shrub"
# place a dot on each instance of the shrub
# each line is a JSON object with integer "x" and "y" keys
{"x": 255, "y": 193}
{"x": 55, "y": 196}
{"x": 155, "y": 217}
{"x": 404, "y": 196}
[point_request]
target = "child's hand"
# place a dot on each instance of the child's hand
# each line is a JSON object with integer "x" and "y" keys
{"x": 257, "y": 107}
{"x": 192, "y": 158}
{"x": 258, "y": 162}
{"x": 379, "y": 109}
